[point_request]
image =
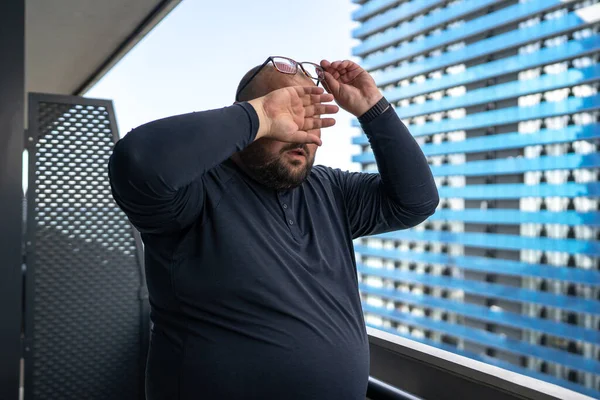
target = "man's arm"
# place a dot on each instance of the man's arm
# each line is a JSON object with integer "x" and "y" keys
{"x": 403, "y": 194}
{"x": 157, "y": 170}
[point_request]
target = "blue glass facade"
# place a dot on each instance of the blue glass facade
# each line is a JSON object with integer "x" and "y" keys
{"x": 502, "y": 96}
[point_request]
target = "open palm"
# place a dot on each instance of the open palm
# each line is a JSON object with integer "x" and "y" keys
{"x": 294, "y": 113}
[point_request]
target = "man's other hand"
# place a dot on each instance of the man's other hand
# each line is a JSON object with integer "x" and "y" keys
{"x": 353, "y": 88}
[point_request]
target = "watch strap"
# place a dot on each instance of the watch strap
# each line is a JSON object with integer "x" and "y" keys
{"x": 374, "y": 111}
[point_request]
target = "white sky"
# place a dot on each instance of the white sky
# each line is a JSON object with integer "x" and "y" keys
{"x": 194, "y": 59}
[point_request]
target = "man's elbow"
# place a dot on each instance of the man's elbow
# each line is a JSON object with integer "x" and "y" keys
{"x": 413, "y": 211}
{"x": 119, "y": 161}
{"x": 425, "y": 203}
{"x": 432, "y": 204}
{"x": 127, "y": 164}
{"x": 424, "y": 210}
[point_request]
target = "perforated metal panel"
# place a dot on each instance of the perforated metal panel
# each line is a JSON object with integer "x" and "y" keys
{"x": 86, "y": 304}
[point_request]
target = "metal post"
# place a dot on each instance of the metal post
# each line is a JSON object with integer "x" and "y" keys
{"x": 12, "y": 97}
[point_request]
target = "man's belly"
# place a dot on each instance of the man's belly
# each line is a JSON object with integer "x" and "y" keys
{"x": 223, "y": 364}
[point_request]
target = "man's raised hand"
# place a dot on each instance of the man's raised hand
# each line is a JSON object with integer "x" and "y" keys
{"x": 293, "y": 114}
{"x": 354, "y": 88}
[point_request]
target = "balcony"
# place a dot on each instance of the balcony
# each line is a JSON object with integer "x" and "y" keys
{"x": 72, "y": 291}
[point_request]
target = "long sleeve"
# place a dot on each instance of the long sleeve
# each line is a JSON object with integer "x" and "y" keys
{"x": 403, "y": 194}
{"x": 156, "y": 171}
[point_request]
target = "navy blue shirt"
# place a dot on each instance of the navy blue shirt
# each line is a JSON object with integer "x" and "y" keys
{"x": 253, "y": 291}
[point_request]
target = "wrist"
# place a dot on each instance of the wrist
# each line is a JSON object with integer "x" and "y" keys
{"x": 264, "y": 123}
{"x": 368, "y": 103}
{"x": 376, "y": 110}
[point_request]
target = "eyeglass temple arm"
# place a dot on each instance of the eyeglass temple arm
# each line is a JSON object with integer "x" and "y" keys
{"x": 237, "y": 95}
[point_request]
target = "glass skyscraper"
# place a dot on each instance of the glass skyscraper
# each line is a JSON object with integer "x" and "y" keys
{"x": 502, "y": 96}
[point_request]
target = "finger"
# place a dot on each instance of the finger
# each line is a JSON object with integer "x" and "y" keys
{"x": 351, "y": 74}
{"x": 352, "y": 66}
{"x": 316, "y": 98}
{"x": 332, "y": 83}
{"x": 325, "y": 85}
{"x": 320, "y": 109}
{"x": 309, "y": 136}
{"x": 347, "y": 71}
{"x": 317, "y": 123}
{"x": 328, "y": 109}
{"x": 322, "y": 98}
{"x": 325, "y": 64}
{"x": 327, "y": 122}
{"x": 308, "y": 90}
{"x": 314, "y": 136}
{"x": 335, "y": 64}
{"x": 334, "y": 69}
{"x": 345, "y": 68}
{"x": 315, "y": 133}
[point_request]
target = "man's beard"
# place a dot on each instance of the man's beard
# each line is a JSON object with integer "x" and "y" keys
{"x": 271, "y": 170}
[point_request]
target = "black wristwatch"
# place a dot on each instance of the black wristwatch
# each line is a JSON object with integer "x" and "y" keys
{"x": 374, "y": 111}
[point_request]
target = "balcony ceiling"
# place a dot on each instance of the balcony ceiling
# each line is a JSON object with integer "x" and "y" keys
{"x": 71, "y": 44}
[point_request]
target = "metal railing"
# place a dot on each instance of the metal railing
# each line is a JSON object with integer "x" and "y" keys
{"x": 378, "y": 390}
{"x": 427, "y": 372}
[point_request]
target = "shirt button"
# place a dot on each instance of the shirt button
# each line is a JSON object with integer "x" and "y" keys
{"x": 291, "y": 222}
{"x": 285, "y": 206}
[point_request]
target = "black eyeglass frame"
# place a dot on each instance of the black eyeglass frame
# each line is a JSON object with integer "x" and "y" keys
{"x": 294, "y": 62}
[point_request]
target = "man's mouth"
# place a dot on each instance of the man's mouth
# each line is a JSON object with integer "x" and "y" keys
{"x": 298, "y": 152}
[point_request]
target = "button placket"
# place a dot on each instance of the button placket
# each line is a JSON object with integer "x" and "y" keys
{"x": 284, "y": 201}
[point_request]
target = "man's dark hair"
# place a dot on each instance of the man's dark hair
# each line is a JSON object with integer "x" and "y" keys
{"x": 253, "y": 90}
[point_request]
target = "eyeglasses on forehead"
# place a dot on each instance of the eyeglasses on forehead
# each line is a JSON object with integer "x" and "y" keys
{"x": 288, "y": 66}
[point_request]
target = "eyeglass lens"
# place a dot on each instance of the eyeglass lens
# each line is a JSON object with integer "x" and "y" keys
{"x": 288, "y": 66}
{"x": 284, "y": 65}
{"x": 313, "y": 70}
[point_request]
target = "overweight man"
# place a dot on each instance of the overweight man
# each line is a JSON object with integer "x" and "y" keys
{"x": 248, "y": 246}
